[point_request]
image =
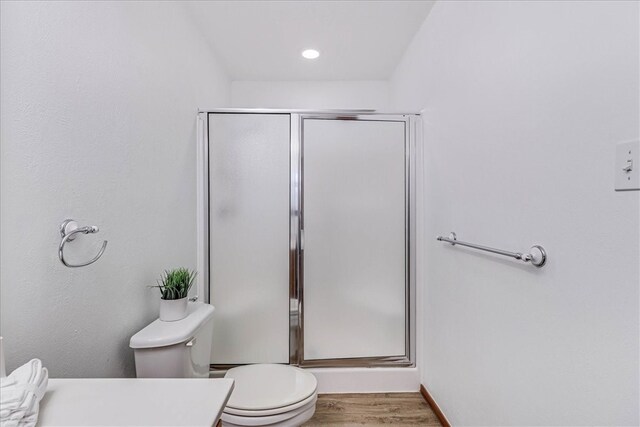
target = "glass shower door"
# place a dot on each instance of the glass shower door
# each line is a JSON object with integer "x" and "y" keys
{"x": 354, "y": 229}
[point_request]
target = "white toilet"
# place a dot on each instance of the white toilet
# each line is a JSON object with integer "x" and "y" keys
{"x": 270, "y": 395}
{"x": 263, "y": 394}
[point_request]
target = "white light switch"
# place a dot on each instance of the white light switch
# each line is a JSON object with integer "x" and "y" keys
{"x": 627, "y": 166}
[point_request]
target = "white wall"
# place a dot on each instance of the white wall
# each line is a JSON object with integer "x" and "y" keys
{"x": 98, "y": 124}
{"x": 372, "y": 94}
{"x": 524, "y": 103}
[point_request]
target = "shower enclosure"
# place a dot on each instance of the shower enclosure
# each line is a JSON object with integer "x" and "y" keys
{"x": 306, "y": 236}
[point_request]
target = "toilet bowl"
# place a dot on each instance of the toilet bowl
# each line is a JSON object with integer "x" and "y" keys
{"x": 286, "y": 419}
{"x": 270, "y": 395}
{"x": 263, "y": 394}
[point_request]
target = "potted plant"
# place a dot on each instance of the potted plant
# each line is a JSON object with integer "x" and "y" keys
{"x": 174, "y": 287}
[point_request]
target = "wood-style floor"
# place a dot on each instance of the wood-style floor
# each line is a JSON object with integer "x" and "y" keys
{"x": 397, "y": 409}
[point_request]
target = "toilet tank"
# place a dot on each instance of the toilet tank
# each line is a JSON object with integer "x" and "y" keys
{"x": 179, "y": 349}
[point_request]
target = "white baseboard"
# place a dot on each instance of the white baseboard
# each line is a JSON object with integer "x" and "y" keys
{"x": 360, "y": 380}
{"x": 366, "y": 380}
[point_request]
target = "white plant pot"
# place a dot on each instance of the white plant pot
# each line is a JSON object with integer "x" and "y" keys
{"x": 173, "y": 309}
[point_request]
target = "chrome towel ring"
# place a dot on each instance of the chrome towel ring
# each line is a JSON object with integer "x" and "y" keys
{"x": 68, "y": 230}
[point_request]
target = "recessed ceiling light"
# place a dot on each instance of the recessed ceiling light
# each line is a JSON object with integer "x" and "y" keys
{"x": 310, "y": 53}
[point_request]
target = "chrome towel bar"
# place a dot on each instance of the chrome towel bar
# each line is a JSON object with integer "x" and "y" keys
{"x": 68, "y": 230}
{"x": 537, "y": 256}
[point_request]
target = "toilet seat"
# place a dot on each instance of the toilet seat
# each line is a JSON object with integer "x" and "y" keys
{"x": 274, "y": 411}
{"x": 293, "y": 418}
{"x": 270, "y": 394}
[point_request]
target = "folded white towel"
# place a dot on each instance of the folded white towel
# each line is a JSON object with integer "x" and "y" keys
{"x": 20, "y": 394}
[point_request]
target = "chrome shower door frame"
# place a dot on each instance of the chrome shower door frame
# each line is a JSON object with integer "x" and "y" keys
{"x": 296, "y": 251}
{"x": 296, "y": 257}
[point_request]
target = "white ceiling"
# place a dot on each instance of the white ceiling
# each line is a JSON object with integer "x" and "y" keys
{"x": 262, "y": 40}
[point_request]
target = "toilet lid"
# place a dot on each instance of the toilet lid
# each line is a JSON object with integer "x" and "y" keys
{"x": 267, "y": 386}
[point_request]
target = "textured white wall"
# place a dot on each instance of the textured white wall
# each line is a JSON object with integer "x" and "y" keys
{"x": 98, "y": 123}
{"x": 524, "y": 103}
{"x": 373, "y": 94}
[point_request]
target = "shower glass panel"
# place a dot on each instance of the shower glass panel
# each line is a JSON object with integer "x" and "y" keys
{"x": 248, "y": 160}
{"x": 355, "y": 243}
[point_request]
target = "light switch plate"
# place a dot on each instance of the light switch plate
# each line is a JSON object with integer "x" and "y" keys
{"x": 627, "y": 168}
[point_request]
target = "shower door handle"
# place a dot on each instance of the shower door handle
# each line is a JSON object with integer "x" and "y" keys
{"x": 301, "y": 239}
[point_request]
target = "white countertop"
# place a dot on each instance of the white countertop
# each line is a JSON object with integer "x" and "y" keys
{"x": 134, "y": 402}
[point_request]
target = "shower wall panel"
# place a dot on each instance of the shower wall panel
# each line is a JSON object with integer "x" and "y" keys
{"x": 249, "y": 237}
